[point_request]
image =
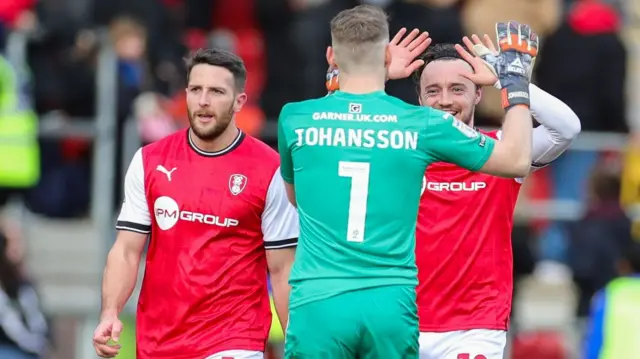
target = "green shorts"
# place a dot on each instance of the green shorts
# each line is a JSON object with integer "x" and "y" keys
{"x": 376, "y": 323}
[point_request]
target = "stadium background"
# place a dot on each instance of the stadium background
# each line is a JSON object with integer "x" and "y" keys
{"x": 103, "y": 77}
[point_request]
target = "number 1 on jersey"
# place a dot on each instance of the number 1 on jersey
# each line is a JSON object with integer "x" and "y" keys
{"x": 359, "y": 174}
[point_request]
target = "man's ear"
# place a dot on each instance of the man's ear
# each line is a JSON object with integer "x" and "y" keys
{"x": 478, "y": 95}
{"x": 387, "y": 56}
{"x": 331, "y": 57}
{"x": 241, "y": 99}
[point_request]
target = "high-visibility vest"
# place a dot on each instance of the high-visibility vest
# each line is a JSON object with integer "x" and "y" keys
{"x": 19, "y": 149}
{"x": 276, "y": 334}
{"x": 622, "y": 319}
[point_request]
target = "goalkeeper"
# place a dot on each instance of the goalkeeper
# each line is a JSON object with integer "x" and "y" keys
{"x": 353, "y": 281}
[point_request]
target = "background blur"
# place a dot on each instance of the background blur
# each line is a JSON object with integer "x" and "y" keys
{"x": 84, "y": 83}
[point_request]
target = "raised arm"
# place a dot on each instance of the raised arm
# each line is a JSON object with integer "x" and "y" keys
{"x": 559, "y": 126}
{"x": 512, "y": 66}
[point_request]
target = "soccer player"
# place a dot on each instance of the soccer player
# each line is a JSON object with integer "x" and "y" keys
{"x": 357, "y": 159}
{"x": 463, "y": 249}
{"x": 213, "y": 202}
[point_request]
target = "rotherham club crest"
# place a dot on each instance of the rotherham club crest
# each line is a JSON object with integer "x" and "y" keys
{"x": 237, "y": 183}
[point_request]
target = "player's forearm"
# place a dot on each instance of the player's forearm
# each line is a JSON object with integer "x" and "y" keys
{"x": 280, "y": 291}
{"x": 516, "y": 138}
{"x": 119, "y": 281}
{"x": 563, "y": 124}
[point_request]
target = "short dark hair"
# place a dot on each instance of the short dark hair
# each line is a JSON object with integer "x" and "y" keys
{"x": 221, "y": 58}
{"x": 434, "y": 53}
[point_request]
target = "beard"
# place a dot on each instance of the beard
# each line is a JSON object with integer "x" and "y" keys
{"x": 467, "y": 117}
{"x": 211, "y": 131}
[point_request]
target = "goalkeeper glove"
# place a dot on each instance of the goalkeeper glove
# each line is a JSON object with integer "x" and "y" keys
{"x": 513, "y": 65}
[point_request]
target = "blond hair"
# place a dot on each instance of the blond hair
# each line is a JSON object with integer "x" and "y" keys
{"x": 123, "y": 26}
{"x": 359, "y": 37}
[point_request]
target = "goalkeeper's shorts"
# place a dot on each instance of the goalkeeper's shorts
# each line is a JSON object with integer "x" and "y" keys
{"x": 371, "y": 323}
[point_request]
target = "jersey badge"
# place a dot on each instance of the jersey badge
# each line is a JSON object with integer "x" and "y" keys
{"x": 355, "y": 107}
{"x": 237, "y": 183}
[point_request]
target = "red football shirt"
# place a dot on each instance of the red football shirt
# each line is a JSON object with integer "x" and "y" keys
{"x": 211, "y": 216}
{"x": 463, "y": 249}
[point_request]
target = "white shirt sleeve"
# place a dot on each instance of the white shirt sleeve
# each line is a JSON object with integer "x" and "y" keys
{"x": 280, "y": 223}
{"x": 134, "y": 215}
{"x": 559, "y": 126}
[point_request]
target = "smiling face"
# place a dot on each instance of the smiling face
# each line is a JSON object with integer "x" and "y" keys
{"x": 442, "y": 86}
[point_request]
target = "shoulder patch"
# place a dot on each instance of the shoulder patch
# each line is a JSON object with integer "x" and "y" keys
{"x": 464, "y": 129}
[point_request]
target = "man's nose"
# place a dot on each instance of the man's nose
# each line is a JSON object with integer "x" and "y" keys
{"x": 203, "y": 100}
{"x": 445, "y": 99}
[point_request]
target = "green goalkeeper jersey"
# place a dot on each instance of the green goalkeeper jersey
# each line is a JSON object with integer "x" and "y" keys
{"x": 357, "y": 164}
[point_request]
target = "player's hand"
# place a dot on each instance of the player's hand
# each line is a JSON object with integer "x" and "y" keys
{"x": 481, "y": 56}
{"x": 108, "y": 330}
{"x": 518, "y": 49}
{"x": 513, "y": 64}
{"x": 404, "y": 52}
{"x": 517, "y": 41}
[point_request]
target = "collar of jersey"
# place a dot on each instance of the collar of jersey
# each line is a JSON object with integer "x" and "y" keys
{"x": 354, "y": 96}
{"x": 236, "y": 142}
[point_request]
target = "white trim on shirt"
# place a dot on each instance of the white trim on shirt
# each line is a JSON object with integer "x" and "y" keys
{"x": 134, "y": 214}
{"x": 280, "y": 223}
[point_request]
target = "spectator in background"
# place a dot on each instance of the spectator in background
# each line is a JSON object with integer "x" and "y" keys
{"x": 630, "y": 195}
{"x": 154, "y": 122}
{"x": 129, "y": 38}
{"x": 614, "y": 327}
{"x": 163, "y": 25}
{"x": 18, "y": 14}
{"x": 23, "y": 328}
{"x": 19, "y": 150}
{"x": 594, "y": 88}
{"x": 597, "y": 241}
{"x": 63, "y": 61}
{"x": 135, "y": 76}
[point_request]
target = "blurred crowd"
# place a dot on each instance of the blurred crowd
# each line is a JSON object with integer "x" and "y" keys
{"x": 587, "y": 60}
{"x": 283, "y": 44}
